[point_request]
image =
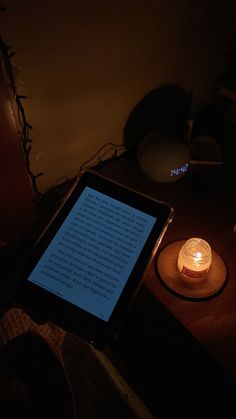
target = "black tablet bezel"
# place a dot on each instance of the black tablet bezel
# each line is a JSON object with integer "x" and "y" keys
{"x": 73, "y": 319}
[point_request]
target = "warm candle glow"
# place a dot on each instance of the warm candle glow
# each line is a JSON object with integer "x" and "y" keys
{"x": 197, "y": 256}
{"x": 194, "y": 259}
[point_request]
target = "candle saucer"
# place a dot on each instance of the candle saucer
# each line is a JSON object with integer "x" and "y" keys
{"x": 172, "y": 278}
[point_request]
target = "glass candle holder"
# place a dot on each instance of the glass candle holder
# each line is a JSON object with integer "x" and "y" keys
{"x": 194, "y": 259}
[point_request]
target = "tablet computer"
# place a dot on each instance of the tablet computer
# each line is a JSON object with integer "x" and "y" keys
{"x": 87, "y": 266}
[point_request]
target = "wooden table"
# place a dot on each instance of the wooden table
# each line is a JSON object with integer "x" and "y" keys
{"x": 201, "y": 335}
{"x": 179, "y": 356}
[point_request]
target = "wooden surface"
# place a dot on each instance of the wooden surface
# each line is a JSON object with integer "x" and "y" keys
{"x": 205, "y": 206}
{"x": 174, "y": 353}
{"x": 180, "y": 355}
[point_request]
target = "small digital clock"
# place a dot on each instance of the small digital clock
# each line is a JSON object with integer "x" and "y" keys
{"x": 163, "y": 157}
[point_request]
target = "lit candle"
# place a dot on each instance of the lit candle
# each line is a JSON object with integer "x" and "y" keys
{"x": 194, "y": 259}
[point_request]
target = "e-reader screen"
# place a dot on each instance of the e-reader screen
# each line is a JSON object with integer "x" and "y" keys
{"x": 87, "y": 266}
{"x": 93, "y": 253}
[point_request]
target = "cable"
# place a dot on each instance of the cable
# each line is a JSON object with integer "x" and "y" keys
{"x": 102, "y": 155}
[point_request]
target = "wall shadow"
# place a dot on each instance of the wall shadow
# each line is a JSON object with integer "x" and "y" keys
{"x": 166, "y": 107}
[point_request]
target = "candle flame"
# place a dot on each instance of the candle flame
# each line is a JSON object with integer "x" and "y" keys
{"x": 197, "y": 257}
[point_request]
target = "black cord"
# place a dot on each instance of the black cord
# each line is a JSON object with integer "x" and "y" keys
{"x": 100, "y": 155}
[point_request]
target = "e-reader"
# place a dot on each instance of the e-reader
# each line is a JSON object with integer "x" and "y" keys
{"x": 88, "y": 265}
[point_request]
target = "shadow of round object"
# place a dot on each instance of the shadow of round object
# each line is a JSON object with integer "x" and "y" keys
{"x": 166, "y": 107}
